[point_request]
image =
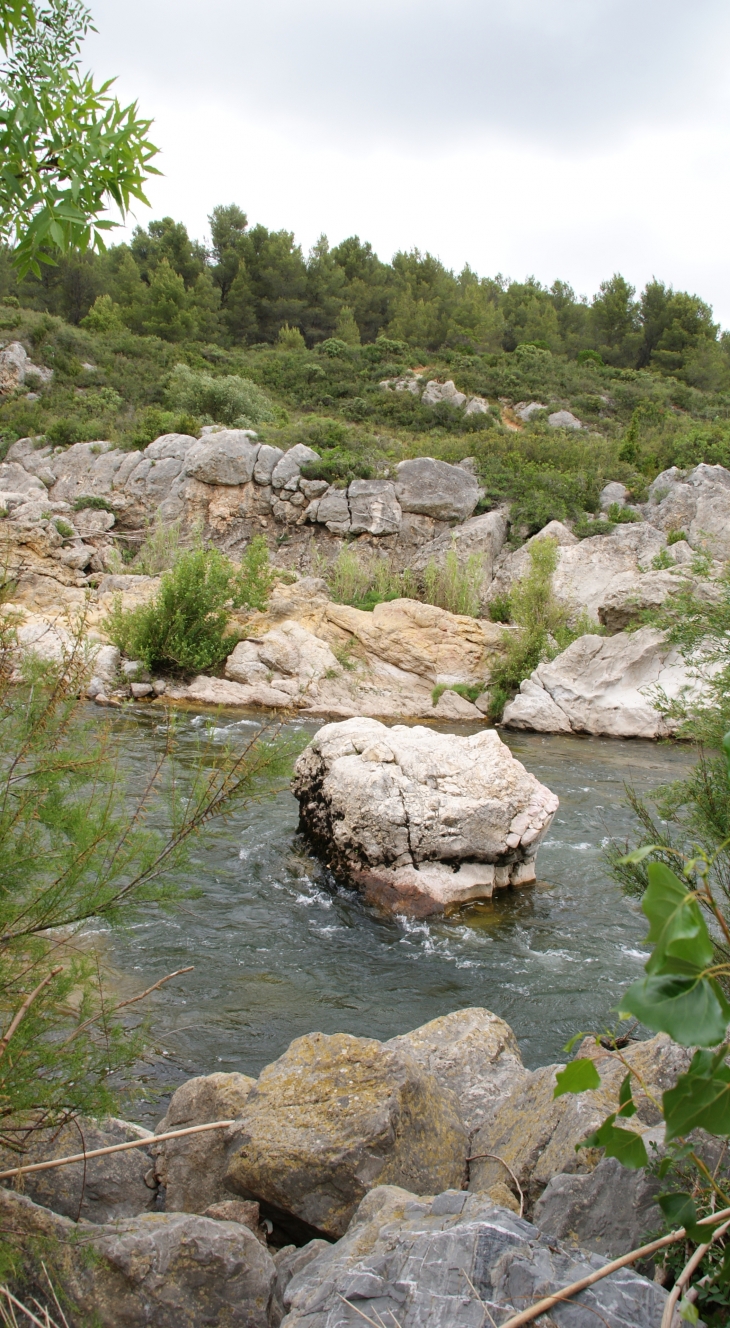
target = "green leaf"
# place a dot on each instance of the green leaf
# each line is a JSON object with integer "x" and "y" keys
{"x": 680, "y": 1211}
{"x": 577, "y": 1077}
{"x": 692, "y": 1011}
{"x": 677, "y": 928}
{"x": 688, "y": 1311}
{"x": 700, "y": 1097}
{"x": 625, "y": 1098}
{"x": 638, "y": 854}
{"x": 626, "y": 1145}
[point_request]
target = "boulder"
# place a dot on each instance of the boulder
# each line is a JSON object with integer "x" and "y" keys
{"x": 288, "y": 650}
{"x": 479, "y": 537}
{"x": 604, "y": 685}
{"x": 436, "y": 489}
{"x": 564, "y": 419}
{"x": 266, "y": 462}
{"x": 102, "y": 1190}
{"x": 611, "y": 493}
{"x": 16, "y": 366}
{"x": 524, "y": 410}
{"x": 472, "y": 1052}
{"x": 434, "y": 392}
{"x": 170, "y": 1270}
{"x": 90, "y": 521}
{"x": 226, "y": 458}
{"x": 288, "y": 469}
{"x": 535, "y": 1134}
{"x": 456, "y": 1261}
{"x": 334, "y": 1116}
{"x": 244, "y": 1211}
{"x": 697, "y": 503}
{"x": 608, "y": 1210}
{"x": 14, "y": 478}
{"x": 630, "y": 595}
{"x": 477, "y": 406}
{"x": 333, "y": 511}
{"x": 374, "y": 509}
{"x": 419, "y": 819}
{"x": 192, "y": 1168}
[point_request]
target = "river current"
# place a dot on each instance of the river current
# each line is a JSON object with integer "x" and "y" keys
{"x": 280, "y": 949}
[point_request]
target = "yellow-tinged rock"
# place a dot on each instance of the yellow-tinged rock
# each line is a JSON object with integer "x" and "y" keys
{"x": 335, "y": 1116}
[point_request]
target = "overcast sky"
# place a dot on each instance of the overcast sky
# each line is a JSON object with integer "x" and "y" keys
{"x": 558, "y": 138}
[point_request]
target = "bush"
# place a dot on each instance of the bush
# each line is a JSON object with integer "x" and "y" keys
{"x": 186, "y": 627}
{"x": 90, "y": 502}
{"x": 363, "y": 583}
{"x": 500, "y": 609}
{"x": 469, "y": 690}
{"x": 338, "y": 467}
{"x": 226, "y": 400}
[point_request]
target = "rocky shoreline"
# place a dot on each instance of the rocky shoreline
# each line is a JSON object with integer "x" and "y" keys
{"x": 332, "y": 661}
{"x": 357, "y": 1178}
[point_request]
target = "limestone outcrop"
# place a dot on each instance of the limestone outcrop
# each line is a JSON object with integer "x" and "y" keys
{"x": 455, "y": 1260}
{"x": 420, "y": 820}
{"x": 604, "y": 685}
{"x": 697, "y": 503}
{"x": 335, "y": 1116}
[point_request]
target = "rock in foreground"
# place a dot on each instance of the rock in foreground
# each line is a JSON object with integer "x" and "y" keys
{"x": 421, "y": 820}
{"x": 335, "y": 1116}
{"x": 456, "y": 1261}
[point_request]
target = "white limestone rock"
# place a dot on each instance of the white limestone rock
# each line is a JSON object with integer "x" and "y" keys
{"x": 697, "y": 503}
{"x": 434, "y": 392}
{"x": 564, "y": 419}
{"x": 227, "y": 458}
{"x": 333, "y": 511}
{"x": 289, "y": 467}
{"x": 374, "y": 508}
{"x": 613, "y": 493}
{"x": 421, "y": 819}
{"x": 604, "y": 685}
{"x": 436, "y": 489}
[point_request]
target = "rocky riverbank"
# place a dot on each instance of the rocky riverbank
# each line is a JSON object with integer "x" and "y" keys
{"x": 69, "y": 509}
{"x": 356, "y": 1177}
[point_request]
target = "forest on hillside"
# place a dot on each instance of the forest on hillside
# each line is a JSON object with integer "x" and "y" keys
{"x": 251, "y": 283}
{"x": 165, "y": 335}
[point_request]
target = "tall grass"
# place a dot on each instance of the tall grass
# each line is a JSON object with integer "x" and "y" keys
{"x": 364, "y": 581}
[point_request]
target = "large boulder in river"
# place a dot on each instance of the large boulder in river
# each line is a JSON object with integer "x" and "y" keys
{"x": 604, "y": 685}
{"x": 697, "y": 503}
{"x": 192, "y": 1168}
{"x": 170, "y": 1270}
{"x": 456, "y": 1261}
{"x": 421, "y": 820}
{"x": 434, "y": 488}
{"x": 335, "y": 1116}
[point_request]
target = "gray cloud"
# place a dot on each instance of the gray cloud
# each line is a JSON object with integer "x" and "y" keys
{"x": 558, "y": 72}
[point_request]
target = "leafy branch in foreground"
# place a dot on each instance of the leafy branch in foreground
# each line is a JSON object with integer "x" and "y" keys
{"x": 80, "y": 840}
{"x": 683, "y": 995}
{"x": 68, "y": 147}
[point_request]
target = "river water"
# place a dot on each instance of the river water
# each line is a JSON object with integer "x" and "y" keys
{"x": 280, "y": 949}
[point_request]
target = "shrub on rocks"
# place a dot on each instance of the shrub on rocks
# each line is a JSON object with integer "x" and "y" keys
{"x": 186, "y": 626}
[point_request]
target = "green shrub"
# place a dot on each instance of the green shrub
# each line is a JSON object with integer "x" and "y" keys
{"x": 363, "y": 583}
{"x": 338, "y": 467}
{"x": 500, "y": 609}
{"x": 226, "y": 400}
{"x": 674, "y": 536}
{"x": 90, "y": 501}
{"x": 63, "y": 527}
{"x": 185, "y": 628}
{"x": 541, "y": 617}
{"x": 663, "y": 561}
{"x": 154, "y": 422}
{"x": 290, "y": 338}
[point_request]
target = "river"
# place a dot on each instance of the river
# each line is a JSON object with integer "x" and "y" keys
{"x": 280, "y": 949}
